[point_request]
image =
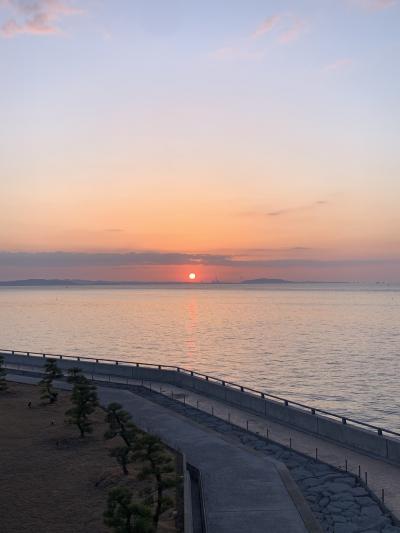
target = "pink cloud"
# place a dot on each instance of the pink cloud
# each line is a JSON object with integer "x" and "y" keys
{"x": 266, "y": 26}
{"x": 338, "y": 64}
{"x": 375, "y": 5}
{"x": 291, "y": 34}
{"x": 38, "y": 17}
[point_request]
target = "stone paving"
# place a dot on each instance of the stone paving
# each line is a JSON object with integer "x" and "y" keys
{"x": 380, "y": 473}
{"x": 338, "y": 499}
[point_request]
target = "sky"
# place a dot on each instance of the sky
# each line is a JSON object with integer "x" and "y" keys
{"x": 147, "y": 139}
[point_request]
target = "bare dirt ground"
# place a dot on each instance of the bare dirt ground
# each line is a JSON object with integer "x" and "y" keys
{"x": 51, "y": 481}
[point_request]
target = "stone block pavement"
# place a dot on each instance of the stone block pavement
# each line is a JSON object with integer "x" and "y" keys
{"x": 380, "y": 474}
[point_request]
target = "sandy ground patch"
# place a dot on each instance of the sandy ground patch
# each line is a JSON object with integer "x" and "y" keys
{"x": 51, "y": 481}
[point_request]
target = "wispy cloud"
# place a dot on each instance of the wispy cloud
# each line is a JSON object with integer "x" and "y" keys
{"x": 375, "y": 5}
{"x": 36, "y": 17}
{"x": 280, "y": 28}
{"x": 339, "y": 64}
{"x": 284, "y": 211}
{"x": 266, "y": 26}
{"x": 295, "y": 30}
{"x": 288, "y": 210}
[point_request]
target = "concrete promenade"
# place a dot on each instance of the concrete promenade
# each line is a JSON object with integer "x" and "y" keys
{"x": 379, "y": 473}
{"x": 339, "y": 500}
{"x": 243, "y": 490}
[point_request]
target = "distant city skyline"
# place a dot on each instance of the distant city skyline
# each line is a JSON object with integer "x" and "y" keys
{"x": 233, "y": 140}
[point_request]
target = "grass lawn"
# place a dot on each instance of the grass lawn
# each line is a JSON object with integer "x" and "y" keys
{"x": 51, "y": 481}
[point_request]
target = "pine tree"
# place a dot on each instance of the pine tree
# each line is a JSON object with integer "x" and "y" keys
{"x": 159, "y": 465}
{"x": 125, "y": 516}
{"x": 3, "y": 373}
{"x": 120, "y": 424}
{"x": 52, "y": 372}
{"x": 84, "y": 400}
{"x": 74, "y": 374}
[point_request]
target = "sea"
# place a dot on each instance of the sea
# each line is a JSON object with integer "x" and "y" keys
{"x": 332, "y": 346}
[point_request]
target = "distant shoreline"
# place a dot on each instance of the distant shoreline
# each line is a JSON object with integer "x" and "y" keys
{"x": 106, "y": 283}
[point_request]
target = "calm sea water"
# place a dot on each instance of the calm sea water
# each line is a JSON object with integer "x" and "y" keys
{"x": 332, "y": 346}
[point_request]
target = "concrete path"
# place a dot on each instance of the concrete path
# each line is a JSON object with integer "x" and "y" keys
{"x": 243, "y": 491}
{"x": 379, "y": 473}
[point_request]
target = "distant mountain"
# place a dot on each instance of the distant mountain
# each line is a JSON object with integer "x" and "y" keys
{"x": 270, "y": 281}
{"x": 46, "y": 282}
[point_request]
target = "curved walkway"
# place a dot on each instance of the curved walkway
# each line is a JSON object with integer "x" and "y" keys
{"x": 339, "y": 500}
{"x": 380, "y": 475}
{"x": 243, "y": 490}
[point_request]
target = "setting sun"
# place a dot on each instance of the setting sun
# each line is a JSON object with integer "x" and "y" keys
{"x": 192, "y": 276}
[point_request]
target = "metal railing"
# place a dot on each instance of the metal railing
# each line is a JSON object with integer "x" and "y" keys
{"x": 228, "y": 384}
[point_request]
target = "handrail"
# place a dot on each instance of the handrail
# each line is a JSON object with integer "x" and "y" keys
{"x": 224, "y": 383}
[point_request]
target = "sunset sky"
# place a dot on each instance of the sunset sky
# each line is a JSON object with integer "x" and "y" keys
{"x": 143, "y": 140}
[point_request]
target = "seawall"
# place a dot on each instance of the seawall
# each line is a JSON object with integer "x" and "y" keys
{"x": 343, "y": 431}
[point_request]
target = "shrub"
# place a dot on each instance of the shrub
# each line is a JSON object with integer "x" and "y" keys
{"x": 159, "y": 465}
{"x": 51, "y": 373}
{"x": 125, "y": 516}
{"x": 120, "y": 424}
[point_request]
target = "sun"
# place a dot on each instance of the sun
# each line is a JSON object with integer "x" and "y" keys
{"x": 192, "y": 276}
